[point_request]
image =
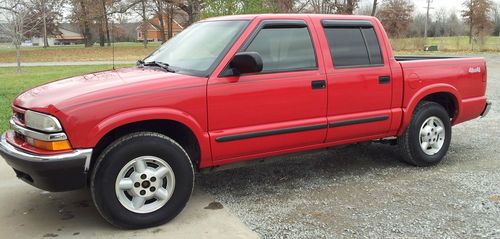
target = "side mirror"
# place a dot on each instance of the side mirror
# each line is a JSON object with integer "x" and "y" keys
{"x": 244, "y": 63}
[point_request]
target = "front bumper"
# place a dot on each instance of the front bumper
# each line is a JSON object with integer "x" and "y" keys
{"x": 59, "y": 172}
{"x": 487, "y": 108}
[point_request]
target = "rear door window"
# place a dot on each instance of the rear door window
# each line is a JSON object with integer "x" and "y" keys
{"x": 353, "y": 46}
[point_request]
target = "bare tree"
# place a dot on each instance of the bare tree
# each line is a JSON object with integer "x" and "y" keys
{"x": 396, "y": 16}
{"x": 284, "y": 6}
{"x": 322, "y": 6}
{"x": 18, "y": 24}
{"x": 453, "y": 26}
{"x": 144, "y": 24}
{"x": 496, "y": 19}
{"x": 191, "y": 7}
{"x": 345, "y": 6}
{"x": 160, "y": 13}
{"x": 48, "y": 12}
{"x": 477, "y": 16}
{"x": 105, "y": 19}
{"x": 374, "y": 8}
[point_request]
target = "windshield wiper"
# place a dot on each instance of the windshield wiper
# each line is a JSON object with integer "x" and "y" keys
{"x": 162, "y": 65}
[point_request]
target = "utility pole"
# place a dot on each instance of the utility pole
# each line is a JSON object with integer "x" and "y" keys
{"x": 427, "y": 19}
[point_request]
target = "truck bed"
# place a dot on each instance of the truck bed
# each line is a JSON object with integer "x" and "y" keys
{"x": 464, "y": 76}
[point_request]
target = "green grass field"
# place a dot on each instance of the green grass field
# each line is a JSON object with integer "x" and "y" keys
{"x": 447, "y": 44}
{"x": 12, "y": 83}
{"x": 127, "y": 51}
{"x": 132, "y": 51}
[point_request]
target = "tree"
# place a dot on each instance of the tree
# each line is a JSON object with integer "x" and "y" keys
{"x": 284, "y": 6}
{"x": 80, "y": 15}
{"x": 345, "y": 6}
{"x": 453, "y": 26}
{"x": 191, "y": 7}
{"x": 159, "y": 12}
{"x": 144, "y": 23}
{"x": 396, "y": 16}
{"x": 47, "y": 13}
{"x": 476, "y": 15}
{"x": 18, "y": 23}
{"x": 374, "y": 8}
{"x": 417, "y": 25}
{"x": 496, "y": 20}
{"x": 144, "y": 12}
{"x": 90, "y": 14}
{"x": 438, "y": 26}
{"x": 322, "y": 6}
{"x": 214, "y": 8}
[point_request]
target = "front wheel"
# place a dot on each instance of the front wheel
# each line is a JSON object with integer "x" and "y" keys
{"x": 142, "y": 180}
{"x": 427, "y": 138}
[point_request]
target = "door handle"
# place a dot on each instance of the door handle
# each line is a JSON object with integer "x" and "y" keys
{"x": 318, "y": 84}
{"x": 384, "y": 79}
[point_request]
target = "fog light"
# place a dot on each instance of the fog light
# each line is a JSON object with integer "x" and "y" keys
{"x": 50, "y": 145}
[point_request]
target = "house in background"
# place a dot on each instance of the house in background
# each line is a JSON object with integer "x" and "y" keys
{"x": 153, "y": 32}
{"x": 67, "y": 35}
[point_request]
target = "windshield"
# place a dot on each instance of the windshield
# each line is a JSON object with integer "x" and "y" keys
{"x": 196, "y": 49}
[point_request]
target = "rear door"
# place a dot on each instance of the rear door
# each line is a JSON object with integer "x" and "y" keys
{"x": 359, "y": 80}
{"x": 281, "y": 108}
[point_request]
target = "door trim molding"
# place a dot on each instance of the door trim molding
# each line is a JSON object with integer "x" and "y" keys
{"x": 270, "y": 132}
{"x": 358, "y": 121}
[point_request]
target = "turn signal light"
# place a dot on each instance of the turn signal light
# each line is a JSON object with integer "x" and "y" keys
{"x": 51, "y": 145}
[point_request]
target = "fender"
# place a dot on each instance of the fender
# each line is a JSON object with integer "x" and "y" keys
{"x": 153, "y": 113}
{"x": 422, "y": 93}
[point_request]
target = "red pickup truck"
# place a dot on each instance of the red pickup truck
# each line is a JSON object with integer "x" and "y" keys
{"x": 230, "y": 89}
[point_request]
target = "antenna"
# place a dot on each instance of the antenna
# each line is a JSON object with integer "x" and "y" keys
{"x": 113, "y": 42}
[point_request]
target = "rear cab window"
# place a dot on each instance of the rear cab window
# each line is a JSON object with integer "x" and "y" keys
{"x": 352, "y": 43}
{"x": 284, "y": 45}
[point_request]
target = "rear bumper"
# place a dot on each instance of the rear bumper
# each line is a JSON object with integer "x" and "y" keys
{"x": 487, "y": 108}
{"x": 59, "y": 172}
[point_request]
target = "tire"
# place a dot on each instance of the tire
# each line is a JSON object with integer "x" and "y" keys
{"x": 127, "y": 168}
{"x": 427, "y": 120}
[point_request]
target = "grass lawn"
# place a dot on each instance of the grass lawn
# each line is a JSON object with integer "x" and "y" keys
{"x": 447, "y": 44}
{"x": 123, "y": 52}
{"x": 12, "y": 83}
{"x": 132, "y": 51}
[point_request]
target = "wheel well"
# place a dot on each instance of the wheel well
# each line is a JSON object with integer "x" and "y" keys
{"x": 173, "y": 129}
{"x": 447, "y": 100}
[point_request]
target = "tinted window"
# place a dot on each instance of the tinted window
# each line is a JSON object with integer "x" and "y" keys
{"x": 284, "y": 49}
{"x": 373, "y": 46}
{"x": 348, "y": 46}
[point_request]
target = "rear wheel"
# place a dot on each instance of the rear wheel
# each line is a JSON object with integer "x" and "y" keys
{"x": 141, "y": 180}
{"x": 427, "y": 138}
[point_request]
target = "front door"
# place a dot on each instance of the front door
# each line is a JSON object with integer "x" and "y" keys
{"x": 281, "y": 108}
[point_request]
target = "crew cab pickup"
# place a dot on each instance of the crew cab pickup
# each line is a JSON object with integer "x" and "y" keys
{"x": 230, "y": 89}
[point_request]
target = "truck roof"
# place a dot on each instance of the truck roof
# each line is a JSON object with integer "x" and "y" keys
{"x": 290, "y": 15}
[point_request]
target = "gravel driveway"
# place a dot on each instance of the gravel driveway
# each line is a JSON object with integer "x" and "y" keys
{"x": 363, "y": 191}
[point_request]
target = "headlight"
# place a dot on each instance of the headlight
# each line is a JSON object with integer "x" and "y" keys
{"x": 42, "y": 122}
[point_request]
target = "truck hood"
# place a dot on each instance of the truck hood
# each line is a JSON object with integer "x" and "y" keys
{"x": 79, "y": 90}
